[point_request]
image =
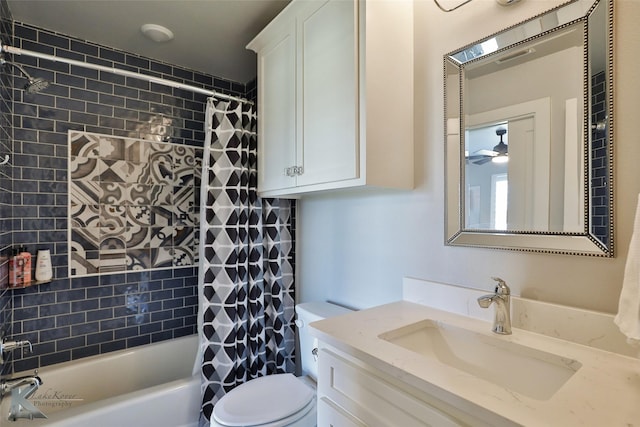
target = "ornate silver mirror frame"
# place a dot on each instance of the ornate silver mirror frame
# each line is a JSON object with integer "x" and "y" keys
{"x": 586, "y": 120}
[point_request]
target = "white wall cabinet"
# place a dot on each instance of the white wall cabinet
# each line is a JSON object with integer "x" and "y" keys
{"x": 335, "y": 97}
{"x": 352, "y": 393}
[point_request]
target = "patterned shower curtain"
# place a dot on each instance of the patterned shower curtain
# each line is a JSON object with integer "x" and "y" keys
{"x": 246, "y": 316}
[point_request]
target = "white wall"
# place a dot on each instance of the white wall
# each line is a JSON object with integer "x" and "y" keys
{"x": 355, "y": 247}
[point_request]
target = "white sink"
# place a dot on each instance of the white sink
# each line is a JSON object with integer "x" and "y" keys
{"x": 525, "y": 370}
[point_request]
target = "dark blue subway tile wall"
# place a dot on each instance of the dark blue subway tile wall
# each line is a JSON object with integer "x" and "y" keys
{"x": 252, "y": 90}
{"x": 599, "y": 162}
{"x": 6, "y": 177}
{"x": 72, "y": 318}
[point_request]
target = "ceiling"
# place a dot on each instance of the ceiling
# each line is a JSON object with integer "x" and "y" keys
{"x": 210, "y": 35}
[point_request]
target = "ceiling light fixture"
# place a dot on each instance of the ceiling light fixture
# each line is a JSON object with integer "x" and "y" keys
{"x": 157, "y": 33}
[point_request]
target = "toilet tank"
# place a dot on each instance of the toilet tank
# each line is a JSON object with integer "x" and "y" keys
{"x": 308, "y": 312}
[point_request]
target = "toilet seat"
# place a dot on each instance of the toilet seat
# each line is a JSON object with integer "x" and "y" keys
{"x": 269, "y": 401}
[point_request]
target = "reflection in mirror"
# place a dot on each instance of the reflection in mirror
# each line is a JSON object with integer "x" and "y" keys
{"x": 487, "y": 178}
{"x": 528, "y": 141}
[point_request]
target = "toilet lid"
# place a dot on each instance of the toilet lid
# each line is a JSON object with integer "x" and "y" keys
{"x": 263, "y": 400}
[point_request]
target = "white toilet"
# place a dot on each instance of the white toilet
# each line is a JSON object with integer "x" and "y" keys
{"x": 283, "y": 399}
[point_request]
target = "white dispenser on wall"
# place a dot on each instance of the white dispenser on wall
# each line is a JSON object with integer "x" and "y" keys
{"x": 44, "y": 270}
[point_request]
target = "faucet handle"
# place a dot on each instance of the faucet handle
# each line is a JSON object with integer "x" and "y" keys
{"x": 501, "y": 287}
{"x": 7, "y": 345}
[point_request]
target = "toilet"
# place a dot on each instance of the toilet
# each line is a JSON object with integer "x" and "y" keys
{"x": 280, "y": 400}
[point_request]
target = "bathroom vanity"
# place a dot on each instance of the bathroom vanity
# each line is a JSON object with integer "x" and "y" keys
{"x": 435, "y": 361}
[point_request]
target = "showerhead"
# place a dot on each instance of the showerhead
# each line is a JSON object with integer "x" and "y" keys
{"x": 36, "y": 85}
{"x": 32, "y": 85}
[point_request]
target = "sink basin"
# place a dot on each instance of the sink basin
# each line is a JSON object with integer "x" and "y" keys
{"x": 525, "y": 370}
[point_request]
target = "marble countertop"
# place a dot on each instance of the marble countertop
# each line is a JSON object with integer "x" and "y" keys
{"x": 605, "y": 391}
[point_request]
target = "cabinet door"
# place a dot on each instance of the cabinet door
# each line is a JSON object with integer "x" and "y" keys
{"x": 347, "y": 388}
{"x": 277, "y": 112}
{"x": 329, "y": 90}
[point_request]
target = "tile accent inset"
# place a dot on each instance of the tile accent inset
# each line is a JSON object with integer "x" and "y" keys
{"x": 132, "y": 204}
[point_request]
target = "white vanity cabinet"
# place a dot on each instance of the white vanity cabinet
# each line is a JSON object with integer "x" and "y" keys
{"x": 335, "y": 97}
{"x": 381, "y": 367}
{"x": 352, "y": 393}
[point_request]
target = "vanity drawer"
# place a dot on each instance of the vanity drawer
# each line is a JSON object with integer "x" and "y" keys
{"x": 346, "y": 387}
{"x": 334, "y": 416}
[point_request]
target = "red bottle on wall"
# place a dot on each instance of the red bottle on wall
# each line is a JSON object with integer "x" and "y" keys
{"x": 26, "y": 266}
{"x": 16, "y": 269}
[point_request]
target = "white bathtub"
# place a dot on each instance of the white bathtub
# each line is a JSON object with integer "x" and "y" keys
{"x": 149, "y": 386}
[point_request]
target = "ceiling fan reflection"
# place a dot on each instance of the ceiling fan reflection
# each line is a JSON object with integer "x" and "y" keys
{"x": 499, "y": 154}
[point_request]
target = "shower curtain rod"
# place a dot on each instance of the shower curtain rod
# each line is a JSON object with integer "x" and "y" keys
{"x": 126, "y": 73}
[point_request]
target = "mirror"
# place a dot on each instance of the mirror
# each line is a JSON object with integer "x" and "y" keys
{"x": 528, "y": 138}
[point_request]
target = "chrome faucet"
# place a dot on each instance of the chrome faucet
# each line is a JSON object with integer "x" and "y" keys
{"x": 8, "y": 384}
{"x": 502, "y": 299}
{"x": 9, "y": 345}
{"x": 20, "y": 389}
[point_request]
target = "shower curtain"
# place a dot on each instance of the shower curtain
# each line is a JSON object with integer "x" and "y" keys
{"x": 246, "y": 287}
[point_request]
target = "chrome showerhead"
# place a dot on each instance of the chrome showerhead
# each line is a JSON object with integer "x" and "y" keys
{"x": 36, "y": 85}
{"x": 32, "y": 85}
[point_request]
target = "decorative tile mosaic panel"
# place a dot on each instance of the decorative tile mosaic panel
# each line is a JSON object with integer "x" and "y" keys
{"x": 132, "y": 204}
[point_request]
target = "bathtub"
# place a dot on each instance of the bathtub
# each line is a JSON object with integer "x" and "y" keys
{"x": 149, "y": 386}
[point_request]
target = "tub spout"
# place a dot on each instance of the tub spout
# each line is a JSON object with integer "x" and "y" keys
{"x": 21, "y": 389}
{"x": 7, "y": 385}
